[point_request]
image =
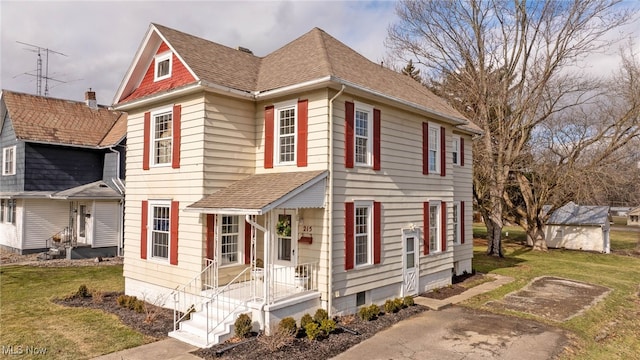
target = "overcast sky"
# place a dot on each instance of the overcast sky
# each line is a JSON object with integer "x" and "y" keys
{"x": 99, "y": 39}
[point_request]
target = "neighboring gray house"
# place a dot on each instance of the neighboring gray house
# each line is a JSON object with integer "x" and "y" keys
{"x": 633, "y": 217}
{"x": 579, "y": 227}
{"x": 62, "y": 171}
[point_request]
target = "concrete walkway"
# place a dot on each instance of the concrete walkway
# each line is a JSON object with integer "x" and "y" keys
{"x": 172, "y": 349}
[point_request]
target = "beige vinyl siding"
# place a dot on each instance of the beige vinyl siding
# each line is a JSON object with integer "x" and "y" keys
{"x": 401, "y": 188}
{"x": 184, "y": 185}
{"x": 463, "y": 190}
{"x": 42, "y": 219}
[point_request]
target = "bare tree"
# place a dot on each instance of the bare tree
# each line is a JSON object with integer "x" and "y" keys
{"x": 506, "y": 66}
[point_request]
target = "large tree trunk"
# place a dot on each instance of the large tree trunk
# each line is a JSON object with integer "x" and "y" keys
{"x": 535, "y": 237}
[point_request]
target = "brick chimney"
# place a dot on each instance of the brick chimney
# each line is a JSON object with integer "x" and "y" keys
{"x": 90, "y": 99}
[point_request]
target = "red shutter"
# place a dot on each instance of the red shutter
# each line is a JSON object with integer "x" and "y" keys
{"x": 268, "y": 137}
{"x": 349, "y": 238}
{"x": 175, "y": 150}
{"x": 376, "y": 139}
{"x": 425, "y": 148}
{"x": 146, "y": 141}
{"x": 443, "y": 155}
{"x": 461, "y": 220}
{"x": 425, "y": 217}
{"x": 443, "y": 225}
{"x": 144, "y": 228}
{"x": 303, "y": 131}
{"x": 377, "y": 232}
{"x": 348, "y": 134}
{"x": 247, "y": 242}
{"x": 461, "y": 152}
{"x": 173, "y": 234}
{"x": 211, "y": 236}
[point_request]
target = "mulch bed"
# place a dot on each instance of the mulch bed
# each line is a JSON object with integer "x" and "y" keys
{"x": 303, "y": 348}
{"x": 158, "y": 329}
{"x": 457, "y": 287}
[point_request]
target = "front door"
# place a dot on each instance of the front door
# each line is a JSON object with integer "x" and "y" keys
{"x": 84, "y": 223}
{"x": 411, "y": 272}
{"x": 285, "y": 251}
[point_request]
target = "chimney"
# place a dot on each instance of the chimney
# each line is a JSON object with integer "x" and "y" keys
{"x": 90, "y": 99}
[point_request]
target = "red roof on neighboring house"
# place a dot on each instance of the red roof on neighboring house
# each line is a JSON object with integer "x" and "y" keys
{"x": 57, "y": 121}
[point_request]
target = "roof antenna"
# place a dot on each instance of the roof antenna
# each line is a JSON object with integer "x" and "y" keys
{"x": 39, "y": 76}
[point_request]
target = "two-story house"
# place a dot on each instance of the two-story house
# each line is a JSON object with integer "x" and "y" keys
{"x": 62, "y": 169}
{"x": 310, "y": 177}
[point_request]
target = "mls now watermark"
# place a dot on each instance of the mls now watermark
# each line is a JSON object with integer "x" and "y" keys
{"x": 23, "y": 350}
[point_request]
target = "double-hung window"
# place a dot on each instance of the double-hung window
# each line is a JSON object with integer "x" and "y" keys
{"x": 434, "y": 148}
{"x": 160, "y": 229}
{"x": 287, "y": 116}
{"x": 363, "y": 131}
{"x": 9, "y": 161}
{"x": 162, "y": 122}
{"x": 455, "y": 208}
{"x": 455, "y": 152}
{"x": 162, "y": 66}
{"x": 363, "y": 232}
{"x": 434, "y": 228}
{"x": 9, "y": 211}
{"x": 3, "y": 205}
{"x": 229, "y": 240}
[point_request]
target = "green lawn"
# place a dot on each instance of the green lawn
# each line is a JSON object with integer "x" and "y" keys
{"x": 618, "y": 316}
{"x": 30, "y": 319}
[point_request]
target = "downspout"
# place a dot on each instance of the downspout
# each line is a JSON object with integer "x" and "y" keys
{"x": 330, "y": 205}
{"x": 120, "y": 203}
{"x": 266, "y": 273}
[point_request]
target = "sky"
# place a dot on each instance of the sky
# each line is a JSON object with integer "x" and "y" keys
{"x": 93, "y": 43}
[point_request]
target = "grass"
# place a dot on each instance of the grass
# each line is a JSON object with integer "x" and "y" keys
{"x": 30, "y": 319}
{"x": 617, "y": 316}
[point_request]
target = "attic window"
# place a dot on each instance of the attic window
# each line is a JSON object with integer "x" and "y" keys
{"x": 162, "y": 66}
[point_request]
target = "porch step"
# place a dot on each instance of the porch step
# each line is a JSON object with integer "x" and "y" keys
{"x": 194, "y": 330}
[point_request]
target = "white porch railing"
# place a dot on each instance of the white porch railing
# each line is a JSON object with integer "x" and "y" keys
{"x": 189, "y": 297}
{"x": 286, "y": 281}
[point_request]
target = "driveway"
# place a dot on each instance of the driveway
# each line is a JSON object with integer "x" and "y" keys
{"x": 461, "y": 333}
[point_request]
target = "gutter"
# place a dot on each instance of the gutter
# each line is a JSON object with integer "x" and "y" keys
{"x": 188, "y": 89}
{"x": 330, "y": 205}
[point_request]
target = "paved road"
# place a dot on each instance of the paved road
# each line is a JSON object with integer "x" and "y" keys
{"x": 458, "y": 333}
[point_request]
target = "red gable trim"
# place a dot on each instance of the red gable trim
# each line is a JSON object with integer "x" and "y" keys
{"x": 211, "y": 237}
{"x": 144, "y": 210}
{"x": 349, "y": 146}
{"x": 146, "y": 145}
{"x": 349, "y": 236}
{"x": 443, "y": 155}
{"x": 173, "y": 233}
{"x": 425, "y": 149}
{"x": 303, "y": 124}
{"x": 175, "y": 150}
{"x": 425, "y": 219}
{"x": 461, "y": 151}
{"x": 376, "y": 139}
{"x": 443, "y": 224}
{"x": 268, "y": 137}
{"x": 180, "y": 76}
{"x": 377, "y": 232}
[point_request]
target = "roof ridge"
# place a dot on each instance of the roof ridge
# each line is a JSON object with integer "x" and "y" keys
{"x": 321, "y": 34}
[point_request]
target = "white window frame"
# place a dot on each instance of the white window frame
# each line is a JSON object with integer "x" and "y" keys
{"x": 6, "y": 157}
{"x": 369, "y": 233}
{"x": 367, "y": 109}
{"x": 155, "y": 141}
{"x": 435, "y": 227}
{"x": 434, "y": 147}
{"x": 240, "y": 240}
{"x": 455, "y": 150}
{"x": 159, "y": 59}
{"x": 150, "y": 230}
{"x": 3, "y": 205}
{"x": 455, "y": 220}
{"x": 278, "y": 108}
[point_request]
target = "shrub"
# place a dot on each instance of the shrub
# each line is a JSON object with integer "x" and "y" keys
{"x": 312, "y": 330}
{"x": 327, "y": 326}
{"x": 98, "y": 296}
{"x": 288, "y": 324}
{"x": 375, "y": 310}
{"x": 82, "y": 292}
{"x": 277, "y": 340}
{"x": 368, "y": 313}
{"x": 390, "y": 306}
{"x": 243, "y": 326}
{"x": 306, "y": 319}
{"x": 122, "y": 300}
{"x": 399, "y": 303}
{"x": 348, "y": 319}
{"x": 408, "y": 301}
{"x": 321, "y": 314}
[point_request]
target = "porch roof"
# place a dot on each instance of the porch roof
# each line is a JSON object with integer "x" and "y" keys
{"x": 260, "y": 193}
{"x": 98, "y": 190}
